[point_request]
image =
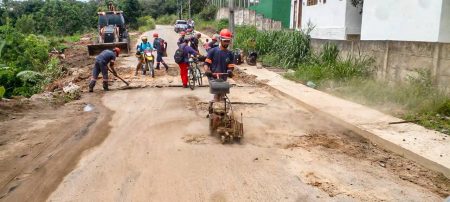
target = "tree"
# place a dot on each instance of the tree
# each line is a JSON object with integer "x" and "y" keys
{"x": 358, "y": 4}
{"x": 25, "y": 24}
{"x": 131, "y": 11}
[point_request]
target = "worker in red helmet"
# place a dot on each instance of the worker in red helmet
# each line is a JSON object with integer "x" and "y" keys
{"x": 213, "y": 42}
{"x": 161, "y": 47}
{"x": 101, "y": 65}
{"x": 220, "y": 59}
{"x": 181, "y": 39}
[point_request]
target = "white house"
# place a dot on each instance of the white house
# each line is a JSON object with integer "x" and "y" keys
{"x": 406, "y": 20}
{"x": 331, "y": 19}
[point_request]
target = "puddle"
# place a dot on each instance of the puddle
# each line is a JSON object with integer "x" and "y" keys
{"x": 88, "y": 108}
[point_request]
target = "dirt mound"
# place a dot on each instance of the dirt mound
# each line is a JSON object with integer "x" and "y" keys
{"x": 355, "y": 147}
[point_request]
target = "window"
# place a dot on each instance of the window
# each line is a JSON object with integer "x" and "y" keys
{"x": 311, "y": 2}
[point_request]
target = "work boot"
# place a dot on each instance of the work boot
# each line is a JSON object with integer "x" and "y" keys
{"x": 91, "y": 86}
{"x": 166, "y": 66}
{"x": 105, "y": 86}
{"x": 157, "y": 66}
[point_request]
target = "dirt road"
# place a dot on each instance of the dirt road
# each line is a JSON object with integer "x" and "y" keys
{"x": 158, "y": 149}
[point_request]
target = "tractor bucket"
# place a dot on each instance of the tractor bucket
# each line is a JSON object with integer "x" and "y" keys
{"x": 96, "y": 49}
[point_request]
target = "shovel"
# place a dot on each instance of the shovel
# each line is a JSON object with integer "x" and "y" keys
{"x": 118, "y": 76}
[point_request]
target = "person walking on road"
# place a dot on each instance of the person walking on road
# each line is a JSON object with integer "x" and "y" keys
{"x": 195, "y": 41}
{"x": 181, "y": 39}
{"x": 101, "y": 65}
{"x": 213, "y": 43}
{"x": 182, "y": 58}
{"x": 161, "y": 47}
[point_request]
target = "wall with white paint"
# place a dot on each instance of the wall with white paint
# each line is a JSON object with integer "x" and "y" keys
{"x": 353, "y": 19}
{"x": 332, "y": 20}
{"x": 404, "y": 20}
{"x": 444, "y": 34}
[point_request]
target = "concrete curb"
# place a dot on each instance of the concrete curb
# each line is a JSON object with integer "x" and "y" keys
{"x": 428, "y": 148}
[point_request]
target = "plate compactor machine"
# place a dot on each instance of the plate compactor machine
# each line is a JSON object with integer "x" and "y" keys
{"x": 222, "y": 120}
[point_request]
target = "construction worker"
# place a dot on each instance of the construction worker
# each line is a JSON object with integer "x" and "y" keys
{"x": 160, "y": 46}
{"x": 181, "y": 39}
{"x": 213, "y": 42}
{"x": 140, "y": 48}
{"x": 220, "y": 59}
{"x": 101, "y": 65}
{"x": 184, "y": 65}
{"x": 195, "y": 41}
{"x": 191, "y": 24}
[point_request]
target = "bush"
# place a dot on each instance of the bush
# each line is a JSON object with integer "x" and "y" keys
{"x": 208, "y": 13}
{"x": 26, "y": 24}
{"x": 2, "y": 91}
{"x": 327, "y": 65}
{"x": 146, "y": 23}
{"x": 166, "y": 19}
{"x": 291, "y": 47}
{"x": 222, "y": 24}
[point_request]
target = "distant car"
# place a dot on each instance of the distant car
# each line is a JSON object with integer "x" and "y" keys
{"x": 180, "y": 25}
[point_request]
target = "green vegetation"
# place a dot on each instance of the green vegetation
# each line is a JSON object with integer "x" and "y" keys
{"x": 289, "y": 47}
{"x": 26, "y": 66}
{"x": 157, "y": 8}
{"x": 146, "y": 23}
{"x": 416, "y": 99}
{"x": 210, "y": 26}
{"x": 2, "y": 91}
{"x": 208, "y": 13}
{"x": 166, "y": 19}
{"x": 327, "y": 65}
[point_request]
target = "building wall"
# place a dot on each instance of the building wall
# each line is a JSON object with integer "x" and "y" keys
{"x": 281, "y": 11}
{"x": 353, "y": 19}
{"x": 296, "y": 14}
{"x": 264, "y": 7}
{"x": 444, "y": 35}
{"x": 249, "y": 17}
{"x": 402, "y": 20}
{"x": 328, "y": 19}
{"x": 397, "y": 60}
{"x": 274, "y": 9}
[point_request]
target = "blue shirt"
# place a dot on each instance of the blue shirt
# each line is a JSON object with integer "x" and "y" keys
{"x": 220, "y": 60}
{"x": 187, "y": 50}
{"x": 144, "y": 46}
{"x": 106, "y": 56}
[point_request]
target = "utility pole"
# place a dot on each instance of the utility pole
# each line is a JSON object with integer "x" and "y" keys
{"x": 231, "y": 17}
{"x": 189, "y": 9}
{"x": 178, "y": 10}
{"x": 181, "y": 9}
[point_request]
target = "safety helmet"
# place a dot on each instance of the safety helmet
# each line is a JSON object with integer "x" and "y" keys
{"x": 144, "y": 38}
{"x": 225, "y": 34}
{"x": 155, "y": 35}
{"x": 117, "y": 50}
{"x": 214, "y": 37}
{"x": 182, "y": 33}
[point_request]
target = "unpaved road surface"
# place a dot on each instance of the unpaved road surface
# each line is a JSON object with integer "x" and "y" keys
{"x": 158, "y": 148}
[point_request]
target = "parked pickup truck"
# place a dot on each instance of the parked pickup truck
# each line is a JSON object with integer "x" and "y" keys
{"x": 180, "y": 25}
